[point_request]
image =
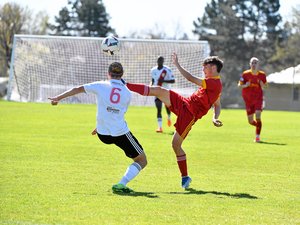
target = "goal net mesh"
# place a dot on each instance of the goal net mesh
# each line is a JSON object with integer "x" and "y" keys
{"x": 44, "y": 66}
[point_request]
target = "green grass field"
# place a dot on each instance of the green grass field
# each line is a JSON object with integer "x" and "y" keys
{"x": 53, "y": 171}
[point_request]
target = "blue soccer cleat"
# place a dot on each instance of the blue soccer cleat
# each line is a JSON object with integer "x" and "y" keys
{"x": 185, "y": 183}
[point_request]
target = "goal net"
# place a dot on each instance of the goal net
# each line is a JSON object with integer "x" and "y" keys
{"x": 44, "y": 66}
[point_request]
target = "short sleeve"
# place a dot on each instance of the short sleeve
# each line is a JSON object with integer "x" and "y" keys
{"x": 91, "y": 87}
{"x": 203, "y": 84}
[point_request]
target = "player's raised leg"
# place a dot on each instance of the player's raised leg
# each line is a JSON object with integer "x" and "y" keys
{"x": 146, "y": 90}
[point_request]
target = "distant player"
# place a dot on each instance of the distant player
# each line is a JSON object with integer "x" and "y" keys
{"x": 113, "y": 99}
{"x": 189, "y": 110}
{"x": 252, "y": 83}
{"x": 162, "y": 76}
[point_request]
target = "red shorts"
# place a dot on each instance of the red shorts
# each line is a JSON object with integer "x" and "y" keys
{"x": 253, "y": 101}
{"x": 185, "y": 119}
{"x": 252, "y": 106}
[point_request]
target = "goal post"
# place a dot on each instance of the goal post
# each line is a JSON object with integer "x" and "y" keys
{"x": 44, "y": 66}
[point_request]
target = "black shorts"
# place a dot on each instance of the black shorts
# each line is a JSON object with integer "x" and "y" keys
{"x": 127, "y": 142}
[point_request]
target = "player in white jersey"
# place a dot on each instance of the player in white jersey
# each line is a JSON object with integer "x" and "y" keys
{"x": 162, "y": 76}
{"x": 113, "y": 98}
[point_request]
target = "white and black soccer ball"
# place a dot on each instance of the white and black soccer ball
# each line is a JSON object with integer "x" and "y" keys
{"x": 110, "y": 45}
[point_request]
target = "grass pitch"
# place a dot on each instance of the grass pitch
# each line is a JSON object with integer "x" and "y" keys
{"x": 53, "y": 171}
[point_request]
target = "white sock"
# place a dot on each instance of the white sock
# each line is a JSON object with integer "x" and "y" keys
{"x": 159, "y": 121}
{"x": 131, "y": 172}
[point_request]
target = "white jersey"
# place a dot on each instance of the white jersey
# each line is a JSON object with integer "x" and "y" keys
{"x": 164, "y": 72}
{"x": 113, "y": 99}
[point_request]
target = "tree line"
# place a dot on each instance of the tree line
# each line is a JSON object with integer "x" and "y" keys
{"x": 238, "y": 30}
{"x": 235, "y": 29}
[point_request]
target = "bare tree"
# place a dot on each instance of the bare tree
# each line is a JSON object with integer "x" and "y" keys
{"x": 15, "y": 19}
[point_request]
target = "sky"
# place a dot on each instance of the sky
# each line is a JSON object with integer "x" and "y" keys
{"x": 130, "y": 16}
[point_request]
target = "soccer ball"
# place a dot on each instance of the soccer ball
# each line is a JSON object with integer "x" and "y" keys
{"x": 110, "y": 45}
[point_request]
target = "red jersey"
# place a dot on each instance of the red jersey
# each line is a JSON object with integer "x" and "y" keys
{"x": 189, "y": 110}
{"x": 254, "y": 91}
{"x": 201, "y": 100}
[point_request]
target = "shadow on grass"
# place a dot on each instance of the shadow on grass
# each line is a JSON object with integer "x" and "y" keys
{"x": 270, "y": 143}
{"x": 138, "y": 194}
{"x": 167, "y": 133}
{"x": 133, "y": 194}
{"x": 200, "y": 192}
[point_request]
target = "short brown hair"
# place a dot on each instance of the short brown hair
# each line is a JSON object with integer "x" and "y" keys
{"x": 214, "y": 60}
{"x": 116, "y": 69}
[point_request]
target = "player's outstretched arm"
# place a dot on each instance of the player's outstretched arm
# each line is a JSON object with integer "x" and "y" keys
{"x": 217, "y": 112}
{"x": 68, "y": 93}
{"x": 187, "y": 75}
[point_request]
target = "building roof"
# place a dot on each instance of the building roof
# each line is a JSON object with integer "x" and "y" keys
{"x": 288, "y": 76}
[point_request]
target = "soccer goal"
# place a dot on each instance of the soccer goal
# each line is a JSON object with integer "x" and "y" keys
{"x": 44, "y": 66}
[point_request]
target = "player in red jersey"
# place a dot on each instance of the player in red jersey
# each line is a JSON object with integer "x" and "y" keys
{"x": 190, "y": 109}
{"x": 252, "y": 83}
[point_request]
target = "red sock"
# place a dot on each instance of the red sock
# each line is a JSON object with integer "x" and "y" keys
{"x": 181, "y": 161}
{"x": 142, "y": 89}
{"x": 258, "y": 127}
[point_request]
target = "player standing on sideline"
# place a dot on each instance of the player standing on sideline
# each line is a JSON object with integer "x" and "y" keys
{"x": 162, "y": 76}
{"x": 252, "y": 83}
{"x": 189, "y": 110}
{"x": 113, "y": 99}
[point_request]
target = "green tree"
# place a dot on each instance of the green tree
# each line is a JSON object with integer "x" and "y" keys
{"x": 236, "y": 31}
{"x": 15, "y": 19}
{"x": 224, "y": 32}
{"x": 37, "y": 24}
{"x": 287, "y": 52}
{"x": 262, "y": 28}
{"x": 83, "y": 18}
{"x": 63, "y": 21}
{"x": 12, "y": 20}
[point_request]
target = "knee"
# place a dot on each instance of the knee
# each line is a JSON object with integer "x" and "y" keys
{"x": 176, "y": 147}
{"x": 143, "y": 161}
